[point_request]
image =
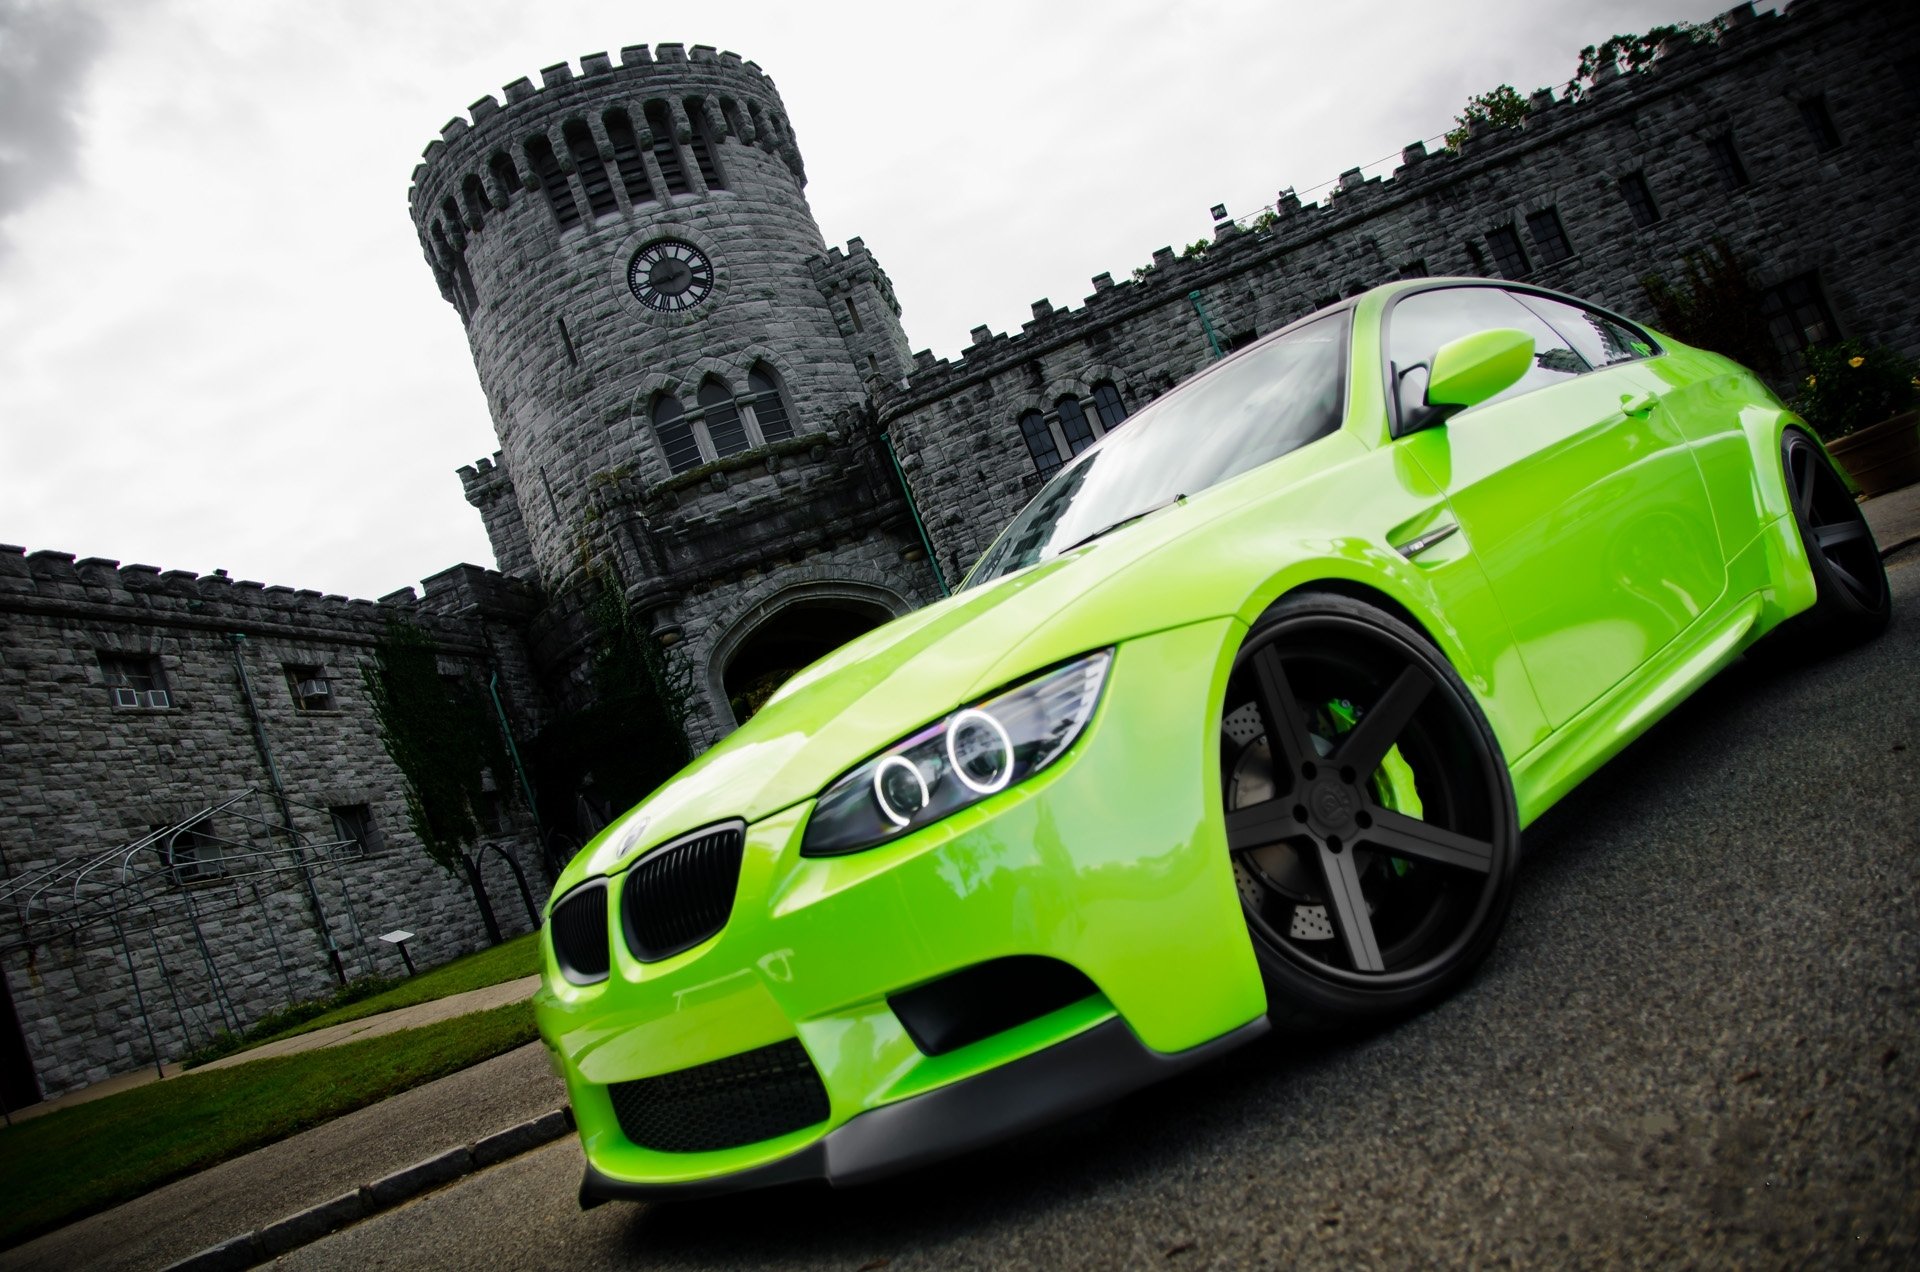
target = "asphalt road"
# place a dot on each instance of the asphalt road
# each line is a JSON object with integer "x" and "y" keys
{"x": 1697, "y": 1044}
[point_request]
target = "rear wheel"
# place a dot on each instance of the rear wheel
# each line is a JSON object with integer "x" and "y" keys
{"x": 1853, "y": 601}
{"x": 1370, "y": 814}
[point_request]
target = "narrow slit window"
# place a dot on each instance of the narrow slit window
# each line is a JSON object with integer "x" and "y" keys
{"x": 546, "y": 170}
{"x": 666, "y": 152}
{"x": 626, "y": 156}
{"x": 593, "y": 171}
{"x": 1819, "y": 121}
{"x": 853, "y": 312}
{"x": 700, "y": 138}
{"x": 1726, "y": 162}
{"x": 566, "y": 342}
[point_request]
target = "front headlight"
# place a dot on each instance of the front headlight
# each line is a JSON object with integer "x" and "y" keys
{"x": 958, "y": 761}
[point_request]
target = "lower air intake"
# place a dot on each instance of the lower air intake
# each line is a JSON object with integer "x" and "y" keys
{"x": 743, "y": 1099}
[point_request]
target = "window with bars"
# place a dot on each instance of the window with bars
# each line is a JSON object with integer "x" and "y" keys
{"x": 627, "y": 160}
{"x": 721, "y": 424}
{"x": 725, "y": 429}
{"x": 767, "y": 406}
{"x": 666, "y": 152}
{"x": 675, "y": 433}
{"x": 1639, "y": 196}
{"x": 1509, "y": 258}
{"x": 1819, "y": 122}
{"x": 546, "y": 170}
{"x": 1040, "y": 443}
{"x": 1797, "y": 315}
{"x": 134, "y": 680}
{"x": 593, "y": 171}
{"x": 706, "y": 155}
{"x": 1726, "y": 162}
{"x": 1549, "y": 236}
{"x": 353, "y": 824}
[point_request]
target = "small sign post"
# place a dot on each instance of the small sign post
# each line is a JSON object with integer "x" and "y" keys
{"x": 398, "y": 939}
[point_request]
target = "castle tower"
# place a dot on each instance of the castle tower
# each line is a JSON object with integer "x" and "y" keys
{"x": 677, "y": 366}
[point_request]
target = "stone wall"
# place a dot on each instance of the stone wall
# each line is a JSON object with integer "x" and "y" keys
{"x": 1840, "y": 215}
{"x": 80, "y": 774}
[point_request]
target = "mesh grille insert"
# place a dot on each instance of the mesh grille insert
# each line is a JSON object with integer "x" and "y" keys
{"x": 579, "y": 926}
{"x": 742, "y": 1099}
{"x": 679, "y": 895}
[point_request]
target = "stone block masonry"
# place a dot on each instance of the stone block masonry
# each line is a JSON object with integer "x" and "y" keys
{"x": 81, "y": 772}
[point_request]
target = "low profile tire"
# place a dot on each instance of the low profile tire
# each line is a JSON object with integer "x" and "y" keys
{"x": 1370, "y": 815}
{"x": 1853, "y": 599}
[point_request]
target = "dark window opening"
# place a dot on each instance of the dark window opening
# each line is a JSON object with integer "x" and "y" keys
{"x": 1819, "y": 121}
{"x": 593, "y": 173}
{"x": 1509, "y": 258}
{"x": 1639, "y": 196}
{"x": 1108, "y": 406}
{"x": 193, "y": 853}
{"x": 311, "y": 689}
{"x": 626, "y": 156}
{"x": 736, "y": 123}
{"x": 1478, "y": 257}
{"x": 134, "y": 680}
{"x": 853, "y": 312}
{"x": 725, "y": 429}
{"x": 1040, "y": 443}
{"x": 1241, "y": 339}
{"x": 675, "y": 432}
{"x": 1549, "y": 236}
{"x": 546, "y": 170}
{"x": 353, "y": 824}
{"x": 451, "y": 211}
{"x": 769, "y": 411}
{"x": 665, "y": 151}
{"x": 1726, "y": 162}
{"x": 566, "y": 342}
{"x": 1414, "y": 269}
{"x": 1073, "y": 425}
{"x": 700, "y": 139}
{"x": 1797, "y": 315}
{"x": 1327, "y": 301}
{"x": 790, "y": 638}
{"x": 505, "y": 175}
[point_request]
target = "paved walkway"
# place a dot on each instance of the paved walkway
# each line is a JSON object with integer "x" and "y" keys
{"x": 1895, "y": 518}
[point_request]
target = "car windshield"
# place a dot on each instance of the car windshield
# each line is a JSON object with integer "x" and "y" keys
{"x": 1272, "y": 399}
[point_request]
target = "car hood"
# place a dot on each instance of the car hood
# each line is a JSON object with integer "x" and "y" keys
{"x": 884, "y": 685}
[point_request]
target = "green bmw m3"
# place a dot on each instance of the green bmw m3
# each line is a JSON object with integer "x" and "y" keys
{"x": 1236, "y": 726}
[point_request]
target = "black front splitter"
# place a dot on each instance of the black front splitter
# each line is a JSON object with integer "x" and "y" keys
{"x": 1084, "y": 1072}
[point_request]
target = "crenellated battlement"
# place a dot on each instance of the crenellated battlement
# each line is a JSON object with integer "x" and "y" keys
{"x": 1290, "y": 223}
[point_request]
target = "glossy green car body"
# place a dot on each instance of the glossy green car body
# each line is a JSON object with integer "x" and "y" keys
{"x": 1584, "y": 555}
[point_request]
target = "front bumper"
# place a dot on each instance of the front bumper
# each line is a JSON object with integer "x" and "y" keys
{"x": 1112, "y": 861}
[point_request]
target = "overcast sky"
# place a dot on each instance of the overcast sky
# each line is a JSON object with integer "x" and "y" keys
{"x": 220, "y": 346}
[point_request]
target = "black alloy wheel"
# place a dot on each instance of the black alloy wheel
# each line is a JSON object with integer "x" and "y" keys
{"x": 1369, "y": 812}
{"x": 1853, "y": 599}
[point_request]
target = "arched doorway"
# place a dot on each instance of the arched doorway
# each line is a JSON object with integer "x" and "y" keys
{"x": 787, "y": 639}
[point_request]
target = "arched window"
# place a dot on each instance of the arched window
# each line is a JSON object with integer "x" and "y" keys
{"x": 768, "y": 409}
{"x": 1108, "y": 406}
{"x": 701, "y": 139}
{"x": 1073, "y": 425}
{"x": 725, "y": 429}
{"x": 593, "y": 172}
{"x": 475, "y": 198}
{"x": 505, "y": 175}
{"x": 665, "y": 152}
{"x": 1040, "y": 443}
{"x": 546, "y": 170}
{"x": 456, "y": 229}
{"x": 736, "y": 122}
{"x": 626, "y": 156}
{"x": 675, "y": 432}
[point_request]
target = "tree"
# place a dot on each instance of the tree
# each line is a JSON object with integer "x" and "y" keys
{"x": 446, "y": 743}
{"x": 1717, "y": 306}
{"x": 1503, "y": 107}
{"x": 1630, "y": 53}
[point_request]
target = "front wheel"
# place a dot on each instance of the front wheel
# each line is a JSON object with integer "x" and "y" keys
{"x": 1853, "y": 601}
{"x": 1370, "y": 814}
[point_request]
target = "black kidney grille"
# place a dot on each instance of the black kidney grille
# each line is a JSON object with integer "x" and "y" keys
{"x": 743, "y": 1099}
{"x": 679, "y": 895}
{"x": 579, "y": 928}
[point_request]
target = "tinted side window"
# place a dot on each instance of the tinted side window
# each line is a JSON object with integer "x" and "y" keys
{"x": 1424, "y": 321}
{"x": 1598, "y": 338}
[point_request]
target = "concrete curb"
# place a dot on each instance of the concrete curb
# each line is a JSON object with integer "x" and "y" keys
{"x": 370, "y": 1199}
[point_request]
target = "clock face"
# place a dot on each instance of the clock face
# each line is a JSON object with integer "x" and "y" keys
{"x": 670, "y": 276}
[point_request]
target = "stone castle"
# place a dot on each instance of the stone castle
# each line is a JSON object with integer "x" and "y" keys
{"x": 701, "y": 404}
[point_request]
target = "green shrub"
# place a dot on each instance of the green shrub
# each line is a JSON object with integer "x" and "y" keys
{"x": 1851, "y": 385}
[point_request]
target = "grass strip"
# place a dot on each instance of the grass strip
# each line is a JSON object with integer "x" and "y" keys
{"x": 81, "y": 1160}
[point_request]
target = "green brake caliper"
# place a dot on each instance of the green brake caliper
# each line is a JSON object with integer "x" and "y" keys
{"x": 1393, "y": 784}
